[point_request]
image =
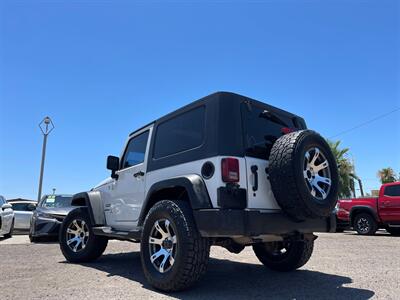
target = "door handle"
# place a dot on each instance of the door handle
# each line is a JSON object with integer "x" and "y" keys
{"x": 254, "y": 171}
{"x": 138, "y": 174}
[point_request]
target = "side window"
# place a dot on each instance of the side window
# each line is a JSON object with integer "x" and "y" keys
{"x": 180, "y": 133}
{"x": 2, "y": 200}
{"x": 392, "y": 190}
{"x": 135, "y": 151}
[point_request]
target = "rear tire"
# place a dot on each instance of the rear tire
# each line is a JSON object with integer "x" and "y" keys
{"x": 365, "y": 224}
{"x": 174, "y": 256}
{"x": 284, "y": 256}
{"x": 393, "y": 231}
{"x": 78, "y": 243}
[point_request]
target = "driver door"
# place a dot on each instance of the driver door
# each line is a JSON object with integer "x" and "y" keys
{"x": 128, "y": 191}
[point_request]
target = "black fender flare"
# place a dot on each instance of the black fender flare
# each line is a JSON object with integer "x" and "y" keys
{"x": 91, "y": 200}
{"x": 362, "y": 208}
{"x": 194, "y": 186}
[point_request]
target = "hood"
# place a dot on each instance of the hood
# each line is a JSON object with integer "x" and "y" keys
{"x": 61, "y": 211}
{"x": 105, "y": 181}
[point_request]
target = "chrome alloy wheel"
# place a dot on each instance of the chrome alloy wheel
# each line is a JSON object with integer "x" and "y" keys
{"x": 162, "y": 245}
{"x": 77, "y": 235}
{"x": 363, "y": 225}
{"x": 317, "y": 173}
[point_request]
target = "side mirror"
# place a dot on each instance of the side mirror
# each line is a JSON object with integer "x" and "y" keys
{"x": 113, "y": 165}
{"x": 5, "y": 206}
{"x": 31, "y": 207}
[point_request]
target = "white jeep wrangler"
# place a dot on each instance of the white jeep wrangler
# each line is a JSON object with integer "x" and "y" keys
{"x": 225, "y": 170}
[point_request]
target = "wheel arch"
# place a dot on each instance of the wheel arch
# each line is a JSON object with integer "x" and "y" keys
{"x": 92, "y": 201}
{"x": 356, "y": 210}
{"x": 190, "y": 187}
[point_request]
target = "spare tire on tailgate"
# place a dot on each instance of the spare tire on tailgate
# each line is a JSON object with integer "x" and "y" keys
{"x": 303, "y": 175}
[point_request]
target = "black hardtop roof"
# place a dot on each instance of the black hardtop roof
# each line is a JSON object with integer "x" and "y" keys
{"x": 229, "y": 98}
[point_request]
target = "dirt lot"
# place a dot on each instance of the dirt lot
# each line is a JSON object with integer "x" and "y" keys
{"x": 343, "y": 266}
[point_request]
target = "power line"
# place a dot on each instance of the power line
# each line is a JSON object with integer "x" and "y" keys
{"x": 366, "y": 122}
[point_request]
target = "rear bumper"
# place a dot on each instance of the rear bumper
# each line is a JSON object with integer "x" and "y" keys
{"x": 252, "y": 223}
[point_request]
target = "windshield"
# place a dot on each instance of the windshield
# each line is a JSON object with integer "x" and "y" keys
{"x": 56, "y": 201}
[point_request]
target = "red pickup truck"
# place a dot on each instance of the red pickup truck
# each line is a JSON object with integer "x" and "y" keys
{"x": 367, "y": 215}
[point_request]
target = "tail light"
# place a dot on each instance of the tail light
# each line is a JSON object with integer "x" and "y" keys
{"x": 286, "y": 130}
{"x": 230, "y": 169}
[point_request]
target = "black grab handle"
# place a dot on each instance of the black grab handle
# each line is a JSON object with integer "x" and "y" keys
{"x": 254, "y": 170}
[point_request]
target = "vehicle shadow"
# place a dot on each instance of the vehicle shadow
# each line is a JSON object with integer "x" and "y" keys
{"x": 227, "y": 279}
{"x": 380, "y": 233}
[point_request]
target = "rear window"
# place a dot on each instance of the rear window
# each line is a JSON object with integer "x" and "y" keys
{"x": 21, "y": 206}
{"x": 181, "y": 133}
{"x": 56, "y": 201}
{"x": 392, "y": 190}
{"x": 260, "y": 133}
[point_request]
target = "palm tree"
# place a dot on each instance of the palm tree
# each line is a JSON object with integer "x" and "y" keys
{"x": 345, "y": 168}
{"x": 387, "y": 175}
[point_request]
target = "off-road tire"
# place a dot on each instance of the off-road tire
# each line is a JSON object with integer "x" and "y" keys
{"x": 393, "y": 231}
{"x": 95, "y": 245}
{"x": 10, "y": 234}
{"x": 372, "y": 225}
{"x": 192, "y": 252}
{"x": 286, "y": 175}
{"x": 33, "y": 239}
{"x": 297, "y": 256}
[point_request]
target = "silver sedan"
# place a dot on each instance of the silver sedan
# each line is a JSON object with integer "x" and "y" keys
{"x": 23, "y": 211}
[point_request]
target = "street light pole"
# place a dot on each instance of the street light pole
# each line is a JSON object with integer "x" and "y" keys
{"x": 46, "y": 126}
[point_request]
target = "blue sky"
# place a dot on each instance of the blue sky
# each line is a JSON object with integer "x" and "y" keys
{"x": 102, "y": 69}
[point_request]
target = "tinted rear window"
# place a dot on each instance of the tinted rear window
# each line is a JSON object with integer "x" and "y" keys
{"x": 20, "y": 206}
{"x": 180, "y": 133}
{"x": 260, "y": 133}
{"x": 392, "y": 190}
{"x": 56, "y": 201}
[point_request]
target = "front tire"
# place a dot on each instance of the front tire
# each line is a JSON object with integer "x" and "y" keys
{"x": 78, "y": 243}
{"x": 174, "y": 256}
{"x": 365, "y": 224}
{"x": 284, "y": 256}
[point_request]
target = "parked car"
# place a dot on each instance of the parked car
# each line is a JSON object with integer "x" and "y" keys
{"x": 48, "y": 216}
{"x": 6, "y": 218}
{"x": 367, "y": 215}
{"x": 341, "y": 225}
{"x": 225, "y": 170}
{"x": 23, "y": 211}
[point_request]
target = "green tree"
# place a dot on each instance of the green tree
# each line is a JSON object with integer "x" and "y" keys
{"x": 345, "y": 168}
{"x": 387, "y": 175}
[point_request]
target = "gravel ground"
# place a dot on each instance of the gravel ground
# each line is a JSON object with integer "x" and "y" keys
{"x": 343, "y": 266}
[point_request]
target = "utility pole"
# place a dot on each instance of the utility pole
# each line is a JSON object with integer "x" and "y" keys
{"x": 46, "y": 126}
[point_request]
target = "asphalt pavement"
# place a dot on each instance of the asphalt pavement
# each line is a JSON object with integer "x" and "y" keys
{"x": 343, "y": 266}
